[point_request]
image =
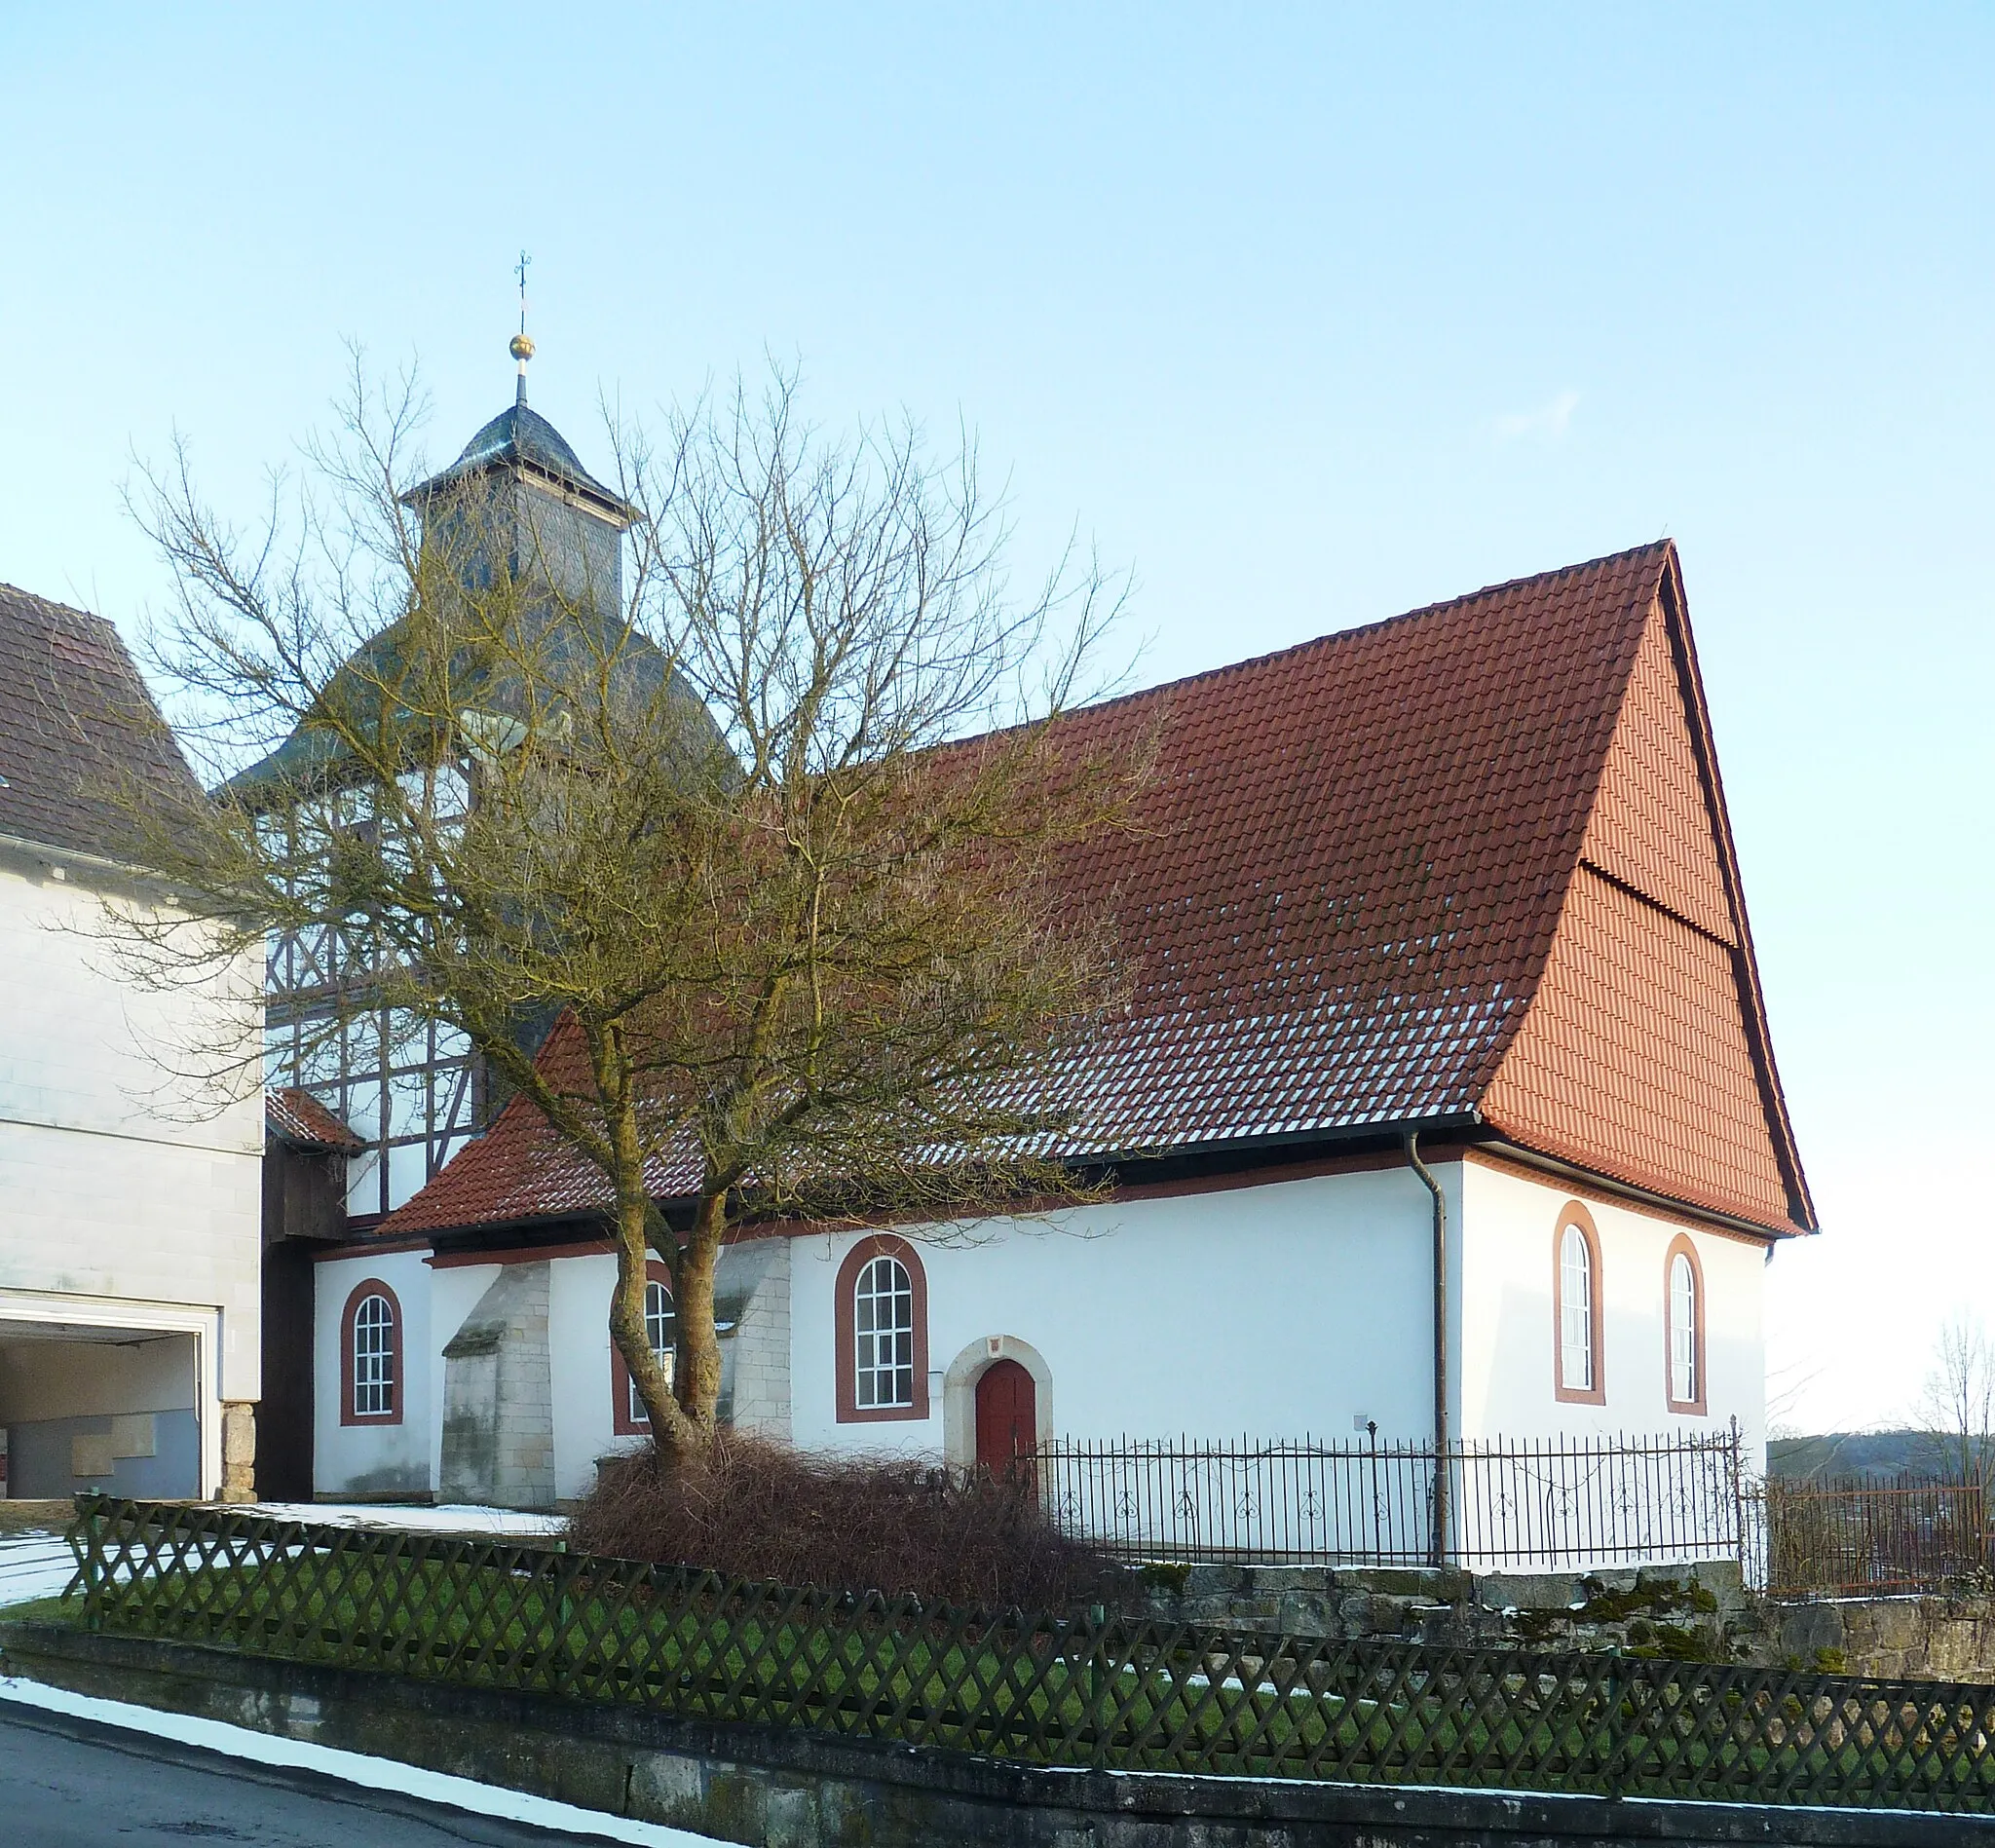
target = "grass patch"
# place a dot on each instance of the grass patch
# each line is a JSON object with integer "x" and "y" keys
{"x": 66, "y": 1610}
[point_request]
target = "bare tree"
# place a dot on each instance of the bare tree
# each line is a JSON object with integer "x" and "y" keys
{"x": 777, "y": 833}
{"x": 1957, "y": 1404}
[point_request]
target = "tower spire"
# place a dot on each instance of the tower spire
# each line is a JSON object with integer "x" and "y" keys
{"x": 521, "y": 347}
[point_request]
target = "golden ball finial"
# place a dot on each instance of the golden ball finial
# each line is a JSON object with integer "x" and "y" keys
{"x": 521, "y": 347}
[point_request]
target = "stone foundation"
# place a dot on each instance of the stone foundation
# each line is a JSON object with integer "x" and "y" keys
{"x": 238, "y": 1450}
{"x": 1908, "y": 1639}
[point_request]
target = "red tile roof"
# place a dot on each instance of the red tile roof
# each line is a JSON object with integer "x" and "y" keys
{"x": 1643, "y": 1053}
{"x": 1470, "y": 865}
{"x": 302, "y": 1120}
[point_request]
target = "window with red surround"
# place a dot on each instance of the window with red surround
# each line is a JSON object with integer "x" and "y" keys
{"x": 881, "y": 1319}
{"x": 1683, "y": 1329}
{"x": 1578, "y": 1364}
{"x": 627, "y": 1415}
{"x": 370, "y": 1369}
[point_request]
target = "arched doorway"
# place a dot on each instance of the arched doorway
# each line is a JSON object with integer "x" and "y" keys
{"x": 1007, "y": 1416}
{"x": 961, "y": 1447}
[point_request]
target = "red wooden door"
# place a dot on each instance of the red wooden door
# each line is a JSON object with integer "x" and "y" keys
{"x": 1008, "y": 1415}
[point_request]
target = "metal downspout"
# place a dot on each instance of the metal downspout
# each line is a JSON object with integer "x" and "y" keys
{"x": 1437, "y": 1548}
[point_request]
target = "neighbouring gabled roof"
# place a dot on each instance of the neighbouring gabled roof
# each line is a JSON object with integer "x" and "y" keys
{"x": 1454, "y": 868}
{"x": 299, "y": 1118}
{"x": 75, "y": 721}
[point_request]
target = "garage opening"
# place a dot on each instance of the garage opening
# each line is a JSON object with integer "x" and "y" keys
{"x": 105, "y": 1410}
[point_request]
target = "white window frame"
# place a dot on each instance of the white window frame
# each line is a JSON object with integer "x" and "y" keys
{"x": 1686, "y": 1338}
{"x": 374, "y": 1382}
{"x": 1578, "y": 1364}
{"x": 883, "y": 1282}
{"x": 660, "y": 1337}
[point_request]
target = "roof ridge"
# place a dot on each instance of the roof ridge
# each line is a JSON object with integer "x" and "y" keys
{"x": 1331, "y": 637}
{"x": 50, "y": 603}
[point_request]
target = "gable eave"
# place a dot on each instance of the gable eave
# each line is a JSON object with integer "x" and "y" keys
{"x": 1670, "y": 605}
{"x": 1746, "y": 961}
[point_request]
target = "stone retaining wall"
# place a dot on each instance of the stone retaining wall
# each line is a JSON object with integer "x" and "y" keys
{"x": 1900, "y": 1639}
{"x": 1677, "y": 1609}
{"x": 1701, "y": 1612}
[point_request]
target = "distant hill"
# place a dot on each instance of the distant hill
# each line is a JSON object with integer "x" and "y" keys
{"x": 1878, "y": 1456}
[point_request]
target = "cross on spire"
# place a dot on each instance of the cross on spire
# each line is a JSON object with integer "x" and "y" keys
{"x": 521, "y": 347}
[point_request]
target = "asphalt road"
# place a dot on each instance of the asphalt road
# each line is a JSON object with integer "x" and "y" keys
{"x": 69, "y": 1783}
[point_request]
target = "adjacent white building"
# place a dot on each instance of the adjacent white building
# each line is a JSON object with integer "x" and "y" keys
{"x": 128, "y": 1201}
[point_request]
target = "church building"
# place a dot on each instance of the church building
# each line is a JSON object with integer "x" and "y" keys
{"x": 1445, "y": 1016}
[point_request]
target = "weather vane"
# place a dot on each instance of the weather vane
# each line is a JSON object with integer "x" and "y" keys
{"x": 521, "y": 347}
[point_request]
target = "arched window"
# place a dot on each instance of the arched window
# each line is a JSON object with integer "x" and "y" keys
{"x": 1578, "y": 1372}
{"x": 662, "y": 1336}
{"x": 370, "y": 1356}
{"x": 883, "y": 1331}
{"x": 1683, "y": 1320}
{"x": 1575, "y": 1311}
{"x": 883, "y": 1325}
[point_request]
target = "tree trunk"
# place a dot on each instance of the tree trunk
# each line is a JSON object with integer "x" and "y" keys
{"x": 699, "y": 1384}
{"x": 671, "y": 1430}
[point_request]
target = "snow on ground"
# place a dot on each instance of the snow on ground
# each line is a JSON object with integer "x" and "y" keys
{"x": 33, "y": 1565}
{"x": 351, "y": 1767}
{"x": 452, "y": 1518}
{"x": 39, "y": 1565}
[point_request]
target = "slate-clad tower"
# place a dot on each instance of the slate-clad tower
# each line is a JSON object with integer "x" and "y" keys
{"x": 516, "y": 504}
{"x": 518, "y": 498}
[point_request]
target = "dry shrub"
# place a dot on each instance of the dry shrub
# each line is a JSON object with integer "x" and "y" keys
{"x": 755, "y": 1509}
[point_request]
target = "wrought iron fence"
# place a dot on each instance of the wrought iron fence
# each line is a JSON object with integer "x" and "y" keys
{"x": 1567, "y": 1503}
{"x": 1846, "y": 1536}
{"x": 1040, "y": 1689}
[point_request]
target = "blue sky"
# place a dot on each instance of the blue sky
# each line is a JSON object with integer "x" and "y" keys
{"x": 1309, "y": 316}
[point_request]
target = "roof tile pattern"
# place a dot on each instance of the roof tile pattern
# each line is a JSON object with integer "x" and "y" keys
{"x": 1634, "y": 1061}
{"x": 302, "y": 1120}
{"x": 73, "y": 712}
{"x": 1349, "y": 870}
{"x": 1346, "y": 886}
{"x": 1652, "y": 827}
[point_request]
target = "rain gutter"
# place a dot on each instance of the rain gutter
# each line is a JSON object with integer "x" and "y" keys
{"x": 1437, "y": 1548}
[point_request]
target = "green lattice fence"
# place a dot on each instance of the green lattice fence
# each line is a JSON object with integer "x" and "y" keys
{"x": 1039, "y": 1688}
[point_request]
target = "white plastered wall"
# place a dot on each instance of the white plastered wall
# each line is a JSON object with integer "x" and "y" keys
{"x": 130, "y": 1196}
{"x": 1270, "y": 1311}
{"x": 1507, "y": 1335}
{"x": 578, "y": 1334}
{"x": 376, "y": 1459}
{"x": 435, "y": 1299}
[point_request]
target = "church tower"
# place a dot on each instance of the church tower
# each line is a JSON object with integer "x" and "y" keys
{"x": 517, "y": 506}
{"x": 518, "y": 501}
